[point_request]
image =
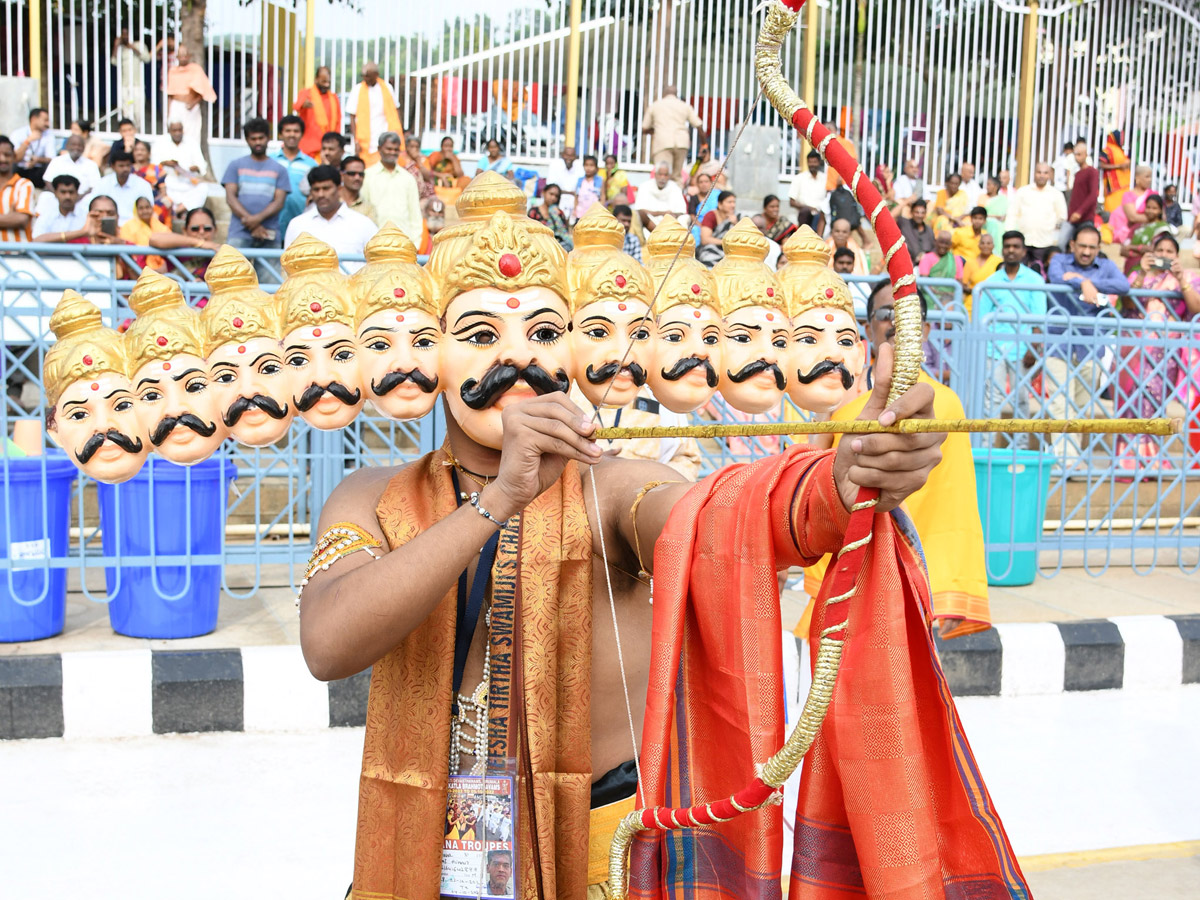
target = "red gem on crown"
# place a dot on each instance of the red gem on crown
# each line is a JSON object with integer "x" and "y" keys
{"x": 87, "y": 360}
{"x": 695, "y": 288}
{"x": 162, "y": 341}
{"x": 770, "y": 292}
{"x": 315, "y": 306}
{"x": 238, "y": 323}
{"x": 620, "y": 279}
{"x": 509, "y": 265}
{"x": 829, "y": 293}
{"x": 398, "y": 293}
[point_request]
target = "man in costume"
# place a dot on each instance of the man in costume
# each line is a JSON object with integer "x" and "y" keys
{"x": 943, "y": 511}
{"x": 89, "y": 397}
{"x": 396, "y": 327}
{"x": 317, "y": 310}
{"x": 244, "y": 351}
{"x": 177, "y": 410}
{"x": 520, "y": 482}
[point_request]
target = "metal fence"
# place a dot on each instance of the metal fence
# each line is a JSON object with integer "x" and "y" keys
{"x": 1100, "y": 508}
{"x": 936, "y": 80}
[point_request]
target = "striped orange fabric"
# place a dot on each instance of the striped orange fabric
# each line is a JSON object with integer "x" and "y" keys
{"x": 17, "y": 197}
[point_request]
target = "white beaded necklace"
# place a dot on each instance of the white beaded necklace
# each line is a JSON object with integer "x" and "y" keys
{"x": 473, "y": 715}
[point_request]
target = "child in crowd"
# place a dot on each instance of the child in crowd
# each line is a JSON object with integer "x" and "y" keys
{"x": 590, "y": 188}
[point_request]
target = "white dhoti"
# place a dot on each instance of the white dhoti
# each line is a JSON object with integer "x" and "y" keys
{"x": 184, "y": 193}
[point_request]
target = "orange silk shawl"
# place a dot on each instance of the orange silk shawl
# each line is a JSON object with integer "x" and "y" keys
{"x": 402, "y": 790}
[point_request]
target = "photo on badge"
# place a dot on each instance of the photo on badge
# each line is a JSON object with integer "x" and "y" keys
{"x": 479, "y": 852}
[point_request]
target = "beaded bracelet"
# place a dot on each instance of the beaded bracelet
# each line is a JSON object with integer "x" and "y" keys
{"x": 339, "y": 541}
{"x": 473, "y": 499}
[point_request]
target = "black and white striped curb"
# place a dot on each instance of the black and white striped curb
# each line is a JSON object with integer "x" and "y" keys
{"x": 126, "y": 693}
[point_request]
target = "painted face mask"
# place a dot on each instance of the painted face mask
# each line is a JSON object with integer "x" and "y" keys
{"x": 827, "y": 353}
{"x": 178, "y": 410}
{"x": 612, "y": 332}
{"x": 688, "y": 347}
{"x": 320, "y": 351}
{"x": 757, "y": 330}
{"x": 396, "y": 328}
{"x": 92, "y": 414}
{"x": 504, "y": 306}
{"x": 244, "y": 352}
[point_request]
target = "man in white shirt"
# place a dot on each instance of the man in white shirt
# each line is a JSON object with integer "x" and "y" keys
{"x": 185, "y": 167}
{"x": 808, "y": 195}
{"x": 393, "y": 192}
{"x": 75, "y": 164}
{"x": 659, "y": 197}
{"x": 123, "y": 186}
{"x": 970, "y": 186}
{"x": 59, "y": 216}
{"x": 34, "y": 146}
{"x": 1037, "y": 211}
{"x": 1065, "y": 167}
{"x": 909, "y": 186}
{"x": 565, "y": 172}
{"x": 329, "y": 219}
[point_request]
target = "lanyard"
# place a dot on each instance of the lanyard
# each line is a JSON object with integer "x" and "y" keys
{"x": 470, "y": 602}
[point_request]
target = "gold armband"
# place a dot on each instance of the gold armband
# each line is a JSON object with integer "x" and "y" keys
{"x": 339, "y": 541}
{"x": 637, "y": 501}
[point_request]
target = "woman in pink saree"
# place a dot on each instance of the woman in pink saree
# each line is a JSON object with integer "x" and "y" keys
{"x": 1132, "y": 211}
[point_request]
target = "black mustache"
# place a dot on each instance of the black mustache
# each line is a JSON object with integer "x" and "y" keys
{"x": 314, "y": 392}
{"x": 610, "y": 370}
{"x": 96, "y": 441}
{"x": 686, "y": 365}
{"x": 824, "y": 367}
{"x": 500, "y": 377}
{"x": 756, "y": 367}
{"x": 166, "y": 425}
{"x": 243, "y": 404}
{"x": 393, "y": 380}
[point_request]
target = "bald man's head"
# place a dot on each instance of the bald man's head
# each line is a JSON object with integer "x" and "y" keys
{"x": 370, "y": 72}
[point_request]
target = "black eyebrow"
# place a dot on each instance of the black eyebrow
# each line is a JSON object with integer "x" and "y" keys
{"x": 474, "y": 312}
{"x": 597, "y": 319}
{"x": 263, "y": 356}
{"x": 225, "y": 363}
{"x": 113, "y": 394}
{"x": 424, "y": 329}
{"x": 538, "y": 312}
{"x": 811, "y": 327}
{"x": 853, "y": 331}
{"x": 294, "y": 347}
{"x": 367, "y": 331}
{"x": 78, "y": 402}
{"x": 746, "y": 325}
{"x": 147, "y": 381}
{"x": 336, "y": 343}
{"x": 184, "y": 374}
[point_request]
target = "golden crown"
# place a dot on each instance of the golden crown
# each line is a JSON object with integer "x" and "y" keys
{"x": 743, "y": 278}
{"x": 596, "y": 234}
{"x": 688, "y": 283}
{"x": 806, "y": 277}
{"x": 238, "y": 309}
{"x": 84, "y": 348}
{"x": 165, "y": 325}
{"x": 391, "y": 279}
{"x": 617, "y": 277}
{"x": 506, "y": 254}
{"x": 824, "y": 290}
{"x": 668, "y": 241}
{"x": 315, "y": 292}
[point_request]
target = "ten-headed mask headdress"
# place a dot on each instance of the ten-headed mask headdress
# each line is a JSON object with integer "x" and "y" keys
{"x": 165, "y": 325}
{"x": 314, "y": 292}
{"x": 238, "y": 309}
{"x": 84, "y": 348}
{"x": 678, "y": 277}
{"x": 391, "y": 279}
{"x": 807, "y": 280}
{"x": 743, "y": 278}
{"x": 496, "y": 246}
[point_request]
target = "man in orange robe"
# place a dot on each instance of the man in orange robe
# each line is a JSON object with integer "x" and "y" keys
{"x": 321, "y": 112}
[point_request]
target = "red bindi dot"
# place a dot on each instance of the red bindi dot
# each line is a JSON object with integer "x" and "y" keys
{"x": 829, "y": 292}
{"x": 621, "y": 307}
{"x": 620, "y": 279}
{"x": 241, "y": 348}
{"x": 166, "y": 367}
{"x": 770, "y": 292}
{"x": 696, "y": 314}
{"x": 162, "y": 341}
{"x": 828, "y": 317}
{"x": 95, "y": 386}
{"x": 87, "y": 360}
{"x": 770, "y": 317}
{"x": 315, "y": 306}
{"x": 399, "y": 318}
{"x": 238, "y": 323}
{"x": 695, "y": 288}
{"x": 509, "y": 265}
{"x": 513, "y": 302}
{"x": 316, "y": 332}
{"x": 398, "y": 293}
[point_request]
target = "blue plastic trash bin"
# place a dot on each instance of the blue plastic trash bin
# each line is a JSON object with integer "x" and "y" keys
{"x": 145, "y": 515}
{"x": 1011, "y": 487}
{"x": 33, "y": 606}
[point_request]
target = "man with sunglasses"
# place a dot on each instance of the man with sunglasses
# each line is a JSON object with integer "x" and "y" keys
{"x": 944, "y": 510}
{"x": 353, "y": 169}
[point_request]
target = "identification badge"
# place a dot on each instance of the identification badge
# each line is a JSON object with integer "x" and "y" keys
{"x": 479, "y": 853}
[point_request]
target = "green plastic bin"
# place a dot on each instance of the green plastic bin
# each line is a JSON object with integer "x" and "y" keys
{"x": 1011, "y": 487}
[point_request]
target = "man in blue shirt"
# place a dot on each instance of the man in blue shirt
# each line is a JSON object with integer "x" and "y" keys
{"x": 255, "y": 188}
{"x": 1091, "y": 282}
{"x": 296, "y": 164}
{"x": 1008, "y": 359}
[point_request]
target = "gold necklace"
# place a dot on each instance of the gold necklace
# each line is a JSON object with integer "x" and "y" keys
{"x": 474, "y": 476}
